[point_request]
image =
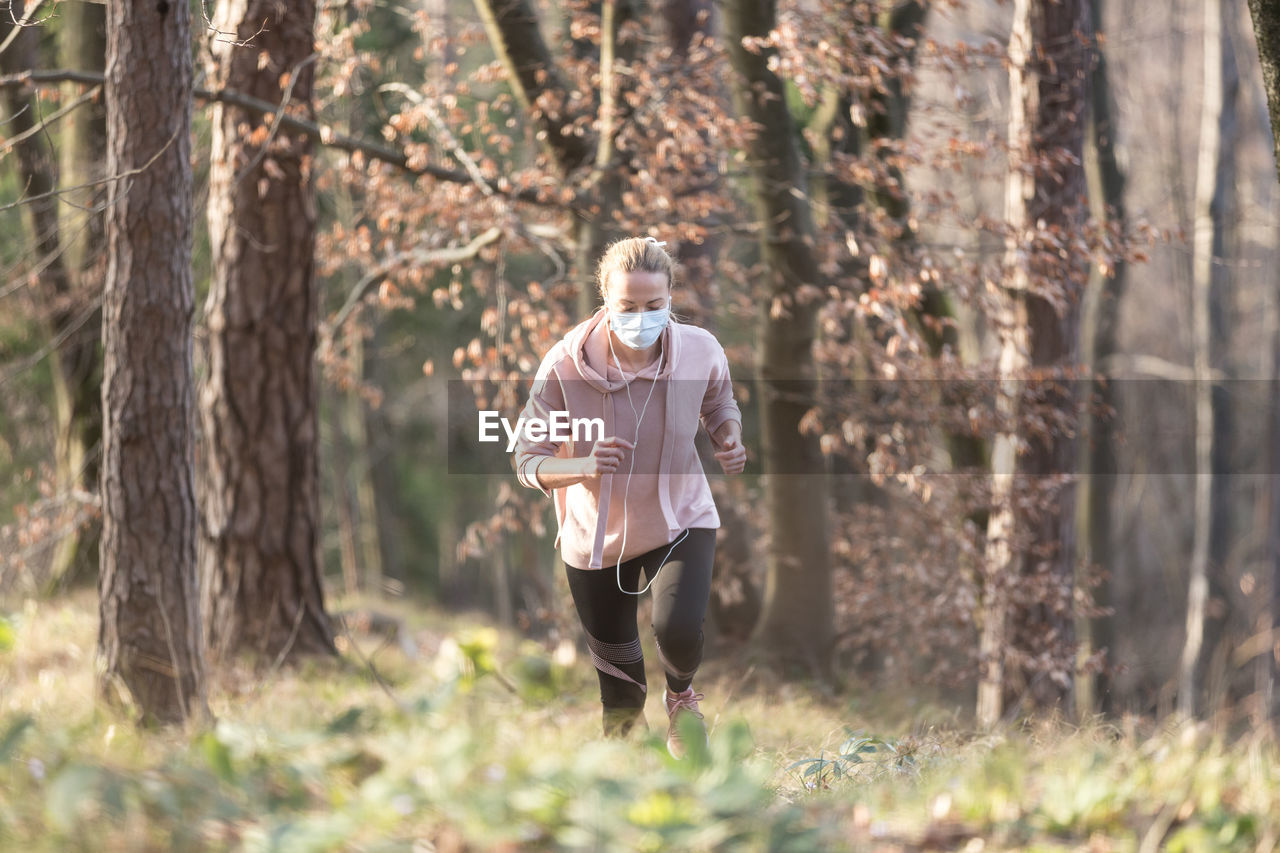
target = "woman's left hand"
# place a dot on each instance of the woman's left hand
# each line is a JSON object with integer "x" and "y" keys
{"x": 732, "y": 454}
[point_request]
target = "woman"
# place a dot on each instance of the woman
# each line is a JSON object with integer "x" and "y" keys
{"x": 636, "y": 500}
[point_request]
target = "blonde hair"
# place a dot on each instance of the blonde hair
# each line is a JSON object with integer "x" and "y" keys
{"x": 634, "y": 254}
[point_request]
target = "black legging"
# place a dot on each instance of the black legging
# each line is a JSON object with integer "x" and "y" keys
{"x": 608, "y": 617}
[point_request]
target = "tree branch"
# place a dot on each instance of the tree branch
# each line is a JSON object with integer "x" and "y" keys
{"x": 422, "y": 257}
{"x": 1156, "y": 367}
{"x": 13, "y": 141}
{"x": 18, "y": 25}
{"x": 512, "y": 26}
{"x": 324, "y": 134}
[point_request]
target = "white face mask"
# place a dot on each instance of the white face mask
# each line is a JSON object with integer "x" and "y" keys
{"x": 639, "y": 330}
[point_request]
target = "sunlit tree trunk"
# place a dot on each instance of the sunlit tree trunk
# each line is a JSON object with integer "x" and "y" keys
{"x": 260, "y": 567}
{"x": 1213, "y": 179}
{"x": 1266, "y": 27}
{"x": 149, "y": 639}
{"x": 798, "y": 619}
{"x": 1044, "y": 204}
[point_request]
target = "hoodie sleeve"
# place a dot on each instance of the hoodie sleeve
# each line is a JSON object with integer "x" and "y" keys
{"x": 718, "y": 404}
{"x": 546, "y": 396}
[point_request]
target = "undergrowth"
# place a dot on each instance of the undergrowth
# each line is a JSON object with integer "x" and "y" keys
{"x": 471, "y": 739}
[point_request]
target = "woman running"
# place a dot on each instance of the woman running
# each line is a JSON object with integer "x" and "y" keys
{"x": 636, "y": 501}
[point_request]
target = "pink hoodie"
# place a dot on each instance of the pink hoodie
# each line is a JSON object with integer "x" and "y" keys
{"x": 668, "y": 491}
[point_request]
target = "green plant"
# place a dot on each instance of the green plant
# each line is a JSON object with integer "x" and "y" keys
{"x": 858, "y": 752}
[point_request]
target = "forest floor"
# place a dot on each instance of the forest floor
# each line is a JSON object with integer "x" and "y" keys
{"x": 468, "y": 738}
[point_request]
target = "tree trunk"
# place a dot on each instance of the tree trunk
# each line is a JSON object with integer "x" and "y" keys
{"x": 797, "y": 624}
{"x": 359, "y": 478}
{"x": 149, "y": 634}
{"x": 535, "y": 80}
{"x": 1100, "y": 336}
{"x": 260, "y": 565}
{"x": 1002, "y": 560}
{"x": 512, "y": 26}
{"x": 339, "y": 470}
{"x": 67, "y": 308}
{"x": 1224, "y": 626}
{"x": 78, "y": 383}
{"x": 1048, "y": 87}
{"x": 1212, "y": 177}
{"x": 1266, "y": 27}
{"x": 1268, "y": 660}
{"x": 595, "y": 232}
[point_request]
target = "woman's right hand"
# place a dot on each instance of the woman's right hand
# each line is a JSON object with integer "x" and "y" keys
{"x": 605, "y": 456}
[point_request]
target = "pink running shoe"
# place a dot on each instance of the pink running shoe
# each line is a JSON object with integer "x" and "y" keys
{"x": 680, "y": 705}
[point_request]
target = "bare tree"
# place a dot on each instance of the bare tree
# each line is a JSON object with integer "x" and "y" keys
{"x": 149, "y": 637}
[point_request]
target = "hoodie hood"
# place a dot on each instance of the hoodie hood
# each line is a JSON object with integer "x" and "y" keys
{"x": 589, "y": 347}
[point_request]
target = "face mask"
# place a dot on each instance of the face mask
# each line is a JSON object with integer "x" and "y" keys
{"x": 639, "y": 330}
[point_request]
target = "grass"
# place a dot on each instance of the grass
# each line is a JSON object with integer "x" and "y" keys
{"x": 483, "y": 741}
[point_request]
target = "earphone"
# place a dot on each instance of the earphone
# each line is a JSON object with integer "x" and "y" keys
{"x": 639, "y": 419}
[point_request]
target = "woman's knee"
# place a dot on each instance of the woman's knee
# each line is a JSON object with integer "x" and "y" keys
{"x": 678, "y": 638}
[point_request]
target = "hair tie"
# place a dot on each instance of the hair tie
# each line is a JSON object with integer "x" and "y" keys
{"x": 661, "y": 244}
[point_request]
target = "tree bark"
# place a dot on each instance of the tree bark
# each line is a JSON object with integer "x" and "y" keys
{"x": 260, "y": 565}
{"x": 797, "y": 624}
{"x": 149, "y": 634}
{"x": 1266, "y": 27}
{"x": 1038, "y": 329}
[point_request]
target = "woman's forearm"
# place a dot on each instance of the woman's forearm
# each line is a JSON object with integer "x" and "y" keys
{"x": 731, "y": 428}
{"x": 557, "y": 473}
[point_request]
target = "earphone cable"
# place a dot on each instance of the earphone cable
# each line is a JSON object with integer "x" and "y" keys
{"x": 626, "y": 488}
